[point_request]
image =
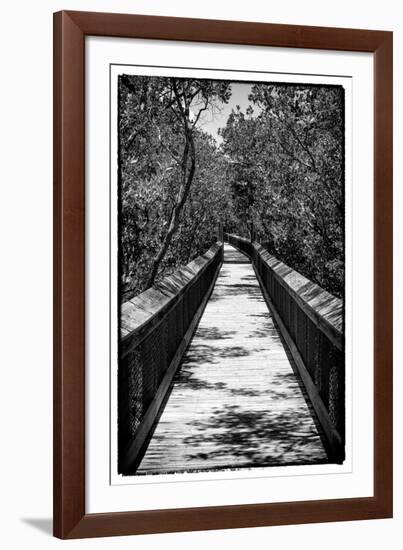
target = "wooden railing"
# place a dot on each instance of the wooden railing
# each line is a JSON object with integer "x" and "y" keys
{"x": 156, "y": 327}
{"x": 244, "y": 245}
{"x": 312, "y": 323}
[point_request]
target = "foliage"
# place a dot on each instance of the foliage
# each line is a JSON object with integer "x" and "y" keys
{"x": 277, "y": 176}
{"x": 286, "y": 168}
{"x": 170, "y": 198}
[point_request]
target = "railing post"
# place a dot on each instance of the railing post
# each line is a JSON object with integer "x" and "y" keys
{"x": 311, "y": 322}
{"x": 220, "y": 233}
{"x": 157, "y": 326}
{"x": 252, "y": 232}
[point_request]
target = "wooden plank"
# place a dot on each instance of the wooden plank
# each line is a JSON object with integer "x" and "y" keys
{"x": 334, "y": 440}
{"x": 323, "y": 309}
{"x": 146, "y": 311}
{"x": 153, "y": 410}
{"x": 236, "y": 400}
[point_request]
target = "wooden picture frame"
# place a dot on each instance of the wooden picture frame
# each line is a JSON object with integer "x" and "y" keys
{"x": 70, "y": 517}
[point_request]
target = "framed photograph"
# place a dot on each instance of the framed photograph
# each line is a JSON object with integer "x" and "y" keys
{"x": 222, "y": 273}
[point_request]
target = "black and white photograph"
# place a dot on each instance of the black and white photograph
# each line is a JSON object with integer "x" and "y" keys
{"x": 202, "y": 293}
{"x": 230, "y": 283}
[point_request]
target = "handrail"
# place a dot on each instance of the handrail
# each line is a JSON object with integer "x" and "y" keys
{"x": 141, "y": 314}
{"x": 324, "y": 309}
{"x": 311, "y": 321}
{"x": 156, "y": 327}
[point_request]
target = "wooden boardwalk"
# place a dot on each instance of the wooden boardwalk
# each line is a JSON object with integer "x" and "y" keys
{"x": 236, "y": 400}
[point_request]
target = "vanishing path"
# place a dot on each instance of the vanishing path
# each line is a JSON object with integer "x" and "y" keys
{"x": 236, "y": 400}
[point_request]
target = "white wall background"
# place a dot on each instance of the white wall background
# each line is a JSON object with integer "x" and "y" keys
{"x": 26, "y": 272}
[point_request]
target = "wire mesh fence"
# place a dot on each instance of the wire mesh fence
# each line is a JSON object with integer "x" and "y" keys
{"x": 315, "y": 321}
{"x": 154, "y": 325}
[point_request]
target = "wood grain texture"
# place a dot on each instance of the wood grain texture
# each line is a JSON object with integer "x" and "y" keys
{"x": 143, "y": 312}
{"x": 69, "y": 277}
{"x": 154, "y": 408}
{"x": 226, "y": 32}
{"x": 324, "y": 309}
{"x": 70, "y": 519}
{"x": 333, "y": 441}
{"x": 236, "y": 401}
{"x": 383, "y": 274}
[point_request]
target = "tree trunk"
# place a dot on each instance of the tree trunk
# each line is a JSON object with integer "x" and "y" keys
{"x": 180, "y": 202}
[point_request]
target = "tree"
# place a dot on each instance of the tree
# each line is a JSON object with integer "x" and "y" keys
{"x": 278, "y": 176}
{"x": 159, "y": 160}
{"x": 182, "y": 96}
{"x": 286, "y": 168}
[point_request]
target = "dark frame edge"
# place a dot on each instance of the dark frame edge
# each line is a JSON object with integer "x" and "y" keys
{"x": 57, "y": 403}
{"x": 69, "y": 276}
{"x": 70, "y": 519}
{"x": 227, "y": 517}
{"x": 383, "y": 273}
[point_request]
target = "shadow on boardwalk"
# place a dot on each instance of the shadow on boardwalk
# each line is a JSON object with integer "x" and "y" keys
{"x": 236, "y": 400}
{"x": 238, "y": 434}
